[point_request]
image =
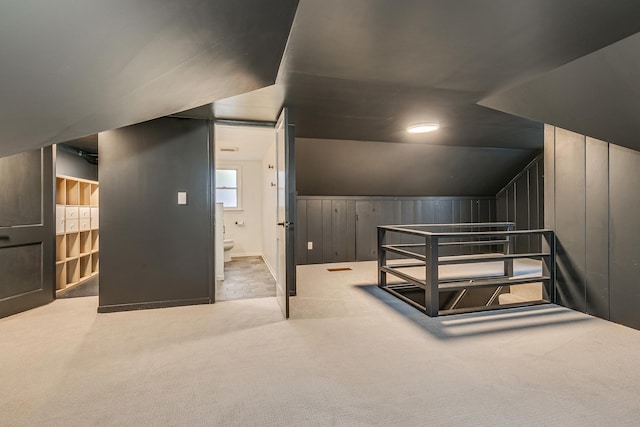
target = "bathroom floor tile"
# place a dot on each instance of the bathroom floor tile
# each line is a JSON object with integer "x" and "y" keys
{"x": 246, "y": 277}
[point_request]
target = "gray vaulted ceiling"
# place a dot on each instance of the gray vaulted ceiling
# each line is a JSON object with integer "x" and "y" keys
{"x": 365, "y": 69}
{"x": 352, "y": 70}
{"x": 74, "y": 68}
{"x": 597, "y": 95}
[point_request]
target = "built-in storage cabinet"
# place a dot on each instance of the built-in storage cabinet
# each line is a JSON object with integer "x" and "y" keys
{"x": 77, "y": 231}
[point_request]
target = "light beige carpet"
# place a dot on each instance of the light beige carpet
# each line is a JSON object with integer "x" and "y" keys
{"x": 350, "y": 355}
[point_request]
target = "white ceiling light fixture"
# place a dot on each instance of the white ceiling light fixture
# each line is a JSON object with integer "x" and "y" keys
{"x": 423, "y": 127}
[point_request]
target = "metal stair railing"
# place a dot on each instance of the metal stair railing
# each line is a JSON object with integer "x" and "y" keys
{"x": 486, "y": 242}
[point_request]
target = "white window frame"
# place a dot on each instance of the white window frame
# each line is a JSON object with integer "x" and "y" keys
{"x": 238, "y": 187}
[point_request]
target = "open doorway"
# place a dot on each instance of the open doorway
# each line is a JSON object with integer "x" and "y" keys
{"x": 77, "y": 195}
{"x": 246, "y": 208}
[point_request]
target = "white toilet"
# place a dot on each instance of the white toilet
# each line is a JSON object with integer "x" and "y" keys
{"x": 228, "y": 245}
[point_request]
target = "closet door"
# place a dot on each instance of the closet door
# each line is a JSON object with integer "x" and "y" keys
{"x": 27, "y": 236}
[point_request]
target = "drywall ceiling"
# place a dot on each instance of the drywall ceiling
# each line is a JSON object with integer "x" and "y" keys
{"x": 365, "y": 168}
{"x": 365, "y": 69}
{"x": 74, "y": 68}
{"x": 88, "y": 144}
{"x": 251, "y": 142}
{"x": 597, "y": 95}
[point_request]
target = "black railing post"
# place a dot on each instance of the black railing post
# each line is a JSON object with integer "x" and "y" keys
{"x": 549, "y": 264}
{"x": 382, "y": 258}
{"x": 432, "y": 294}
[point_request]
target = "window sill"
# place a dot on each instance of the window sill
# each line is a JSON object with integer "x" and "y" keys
{"x": 233, "y": 209}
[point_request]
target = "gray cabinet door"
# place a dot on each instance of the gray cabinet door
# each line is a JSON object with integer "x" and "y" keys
{"x": 27, "y": 258}
{"x": 286, "y": 184}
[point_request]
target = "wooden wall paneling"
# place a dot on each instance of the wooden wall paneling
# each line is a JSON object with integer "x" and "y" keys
{"x": 314, "y": 231}
{"x": 570, "y": 219}
{"x": 597, "y": 228}
{"x": 541, "y": 199}
{"x": 351, "y": 230}
{"x": 428, "y": 211}
{"x": 511, "y": 204}
{"x": 444, "y": 212}
{"x": 385, "y": 214}
{"x": 624, "y": 227}
{"x": 522, "y": 212}
{"x": 339, "y": 239}
{"x": 301, "y": 232}
{"x": 534, "y": 198}
{"x": 465, "y": 210}
{"x": 549, "y": 176}
{"x": 501, "y": 207}
{"x": 327, "y": 246}
{"x": 364, "y": 223}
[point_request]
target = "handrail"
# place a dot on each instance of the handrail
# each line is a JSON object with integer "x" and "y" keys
{"x": 432, "y": 259}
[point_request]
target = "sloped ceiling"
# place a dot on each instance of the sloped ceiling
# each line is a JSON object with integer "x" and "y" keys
{"x": 597, "y": 95}
{"x": 74, "y": 68}
{"x": 365, "y": 168}
{"x": 352, "y": 70}
{"x": 365, "y": 69}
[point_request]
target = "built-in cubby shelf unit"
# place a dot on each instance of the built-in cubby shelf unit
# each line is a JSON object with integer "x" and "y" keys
{"x": 77, "y": 231}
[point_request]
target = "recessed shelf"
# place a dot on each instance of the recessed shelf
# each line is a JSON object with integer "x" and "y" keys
{"x": 85, "y": 242}
{"x": 85, "y": 193}
{"x": 73, "y": 192}
{"x": 61, "y": 247}
{"x": 95, "y": 195}
{"x": 61, "y": 191}
{"x": 77, "y": 234}
{"x": 95, "y": 262}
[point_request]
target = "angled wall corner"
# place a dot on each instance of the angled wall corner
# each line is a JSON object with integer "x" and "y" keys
{"x": 595, "y": 95}
{"x": 153, "y": 251}
{"x": 591, "y": 200}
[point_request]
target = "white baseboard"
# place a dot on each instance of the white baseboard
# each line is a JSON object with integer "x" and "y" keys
{"x": 245, "y": 254}
{"x": 273, "y": 273}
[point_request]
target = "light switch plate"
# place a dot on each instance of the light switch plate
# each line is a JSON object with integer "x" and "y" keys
{"x": 182, "y": 197}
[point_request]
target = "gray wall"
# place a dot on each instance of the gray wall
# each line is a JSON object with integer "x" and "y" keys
{"x": 69, "y": 163}
{"x": 154, "y": 252}
{"x": 343, "y": 229}
{"x": 363, "y": 168}
{"x": 522, "y": 201}
{"x": 592, "y": 202}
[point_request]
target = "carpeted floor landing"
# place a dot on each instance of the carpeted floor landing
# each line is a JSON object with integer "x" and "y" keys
{"x": 351, "y": 355}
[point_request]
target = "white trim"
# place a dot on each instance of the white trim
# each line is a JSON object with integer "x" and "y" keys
{"x": 245, "y": 254}
{"x": 269, "y": 267}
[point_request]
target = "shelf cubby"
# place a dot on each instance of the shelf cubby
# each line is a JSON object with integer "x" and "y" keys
{"x": 95, "y": 241}
{"x": 73, "y": 192}
{"x": 95, "y": 263}
{"x": 85, "y": 266}
{"x": 85, "y": 242}
{"x": 73, "y": 271}
{"x": 61, "y": 247}
{"x": 95, "y": 195}
{"x": 61, "y": 191}
{"x": 85, "y": 194}
{"x": 61, "y": 275}
{"x": 73, "y": 245}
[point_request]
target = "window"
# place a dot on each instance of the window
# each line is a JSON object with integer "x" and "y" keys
{"x": 228, "y": 187}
